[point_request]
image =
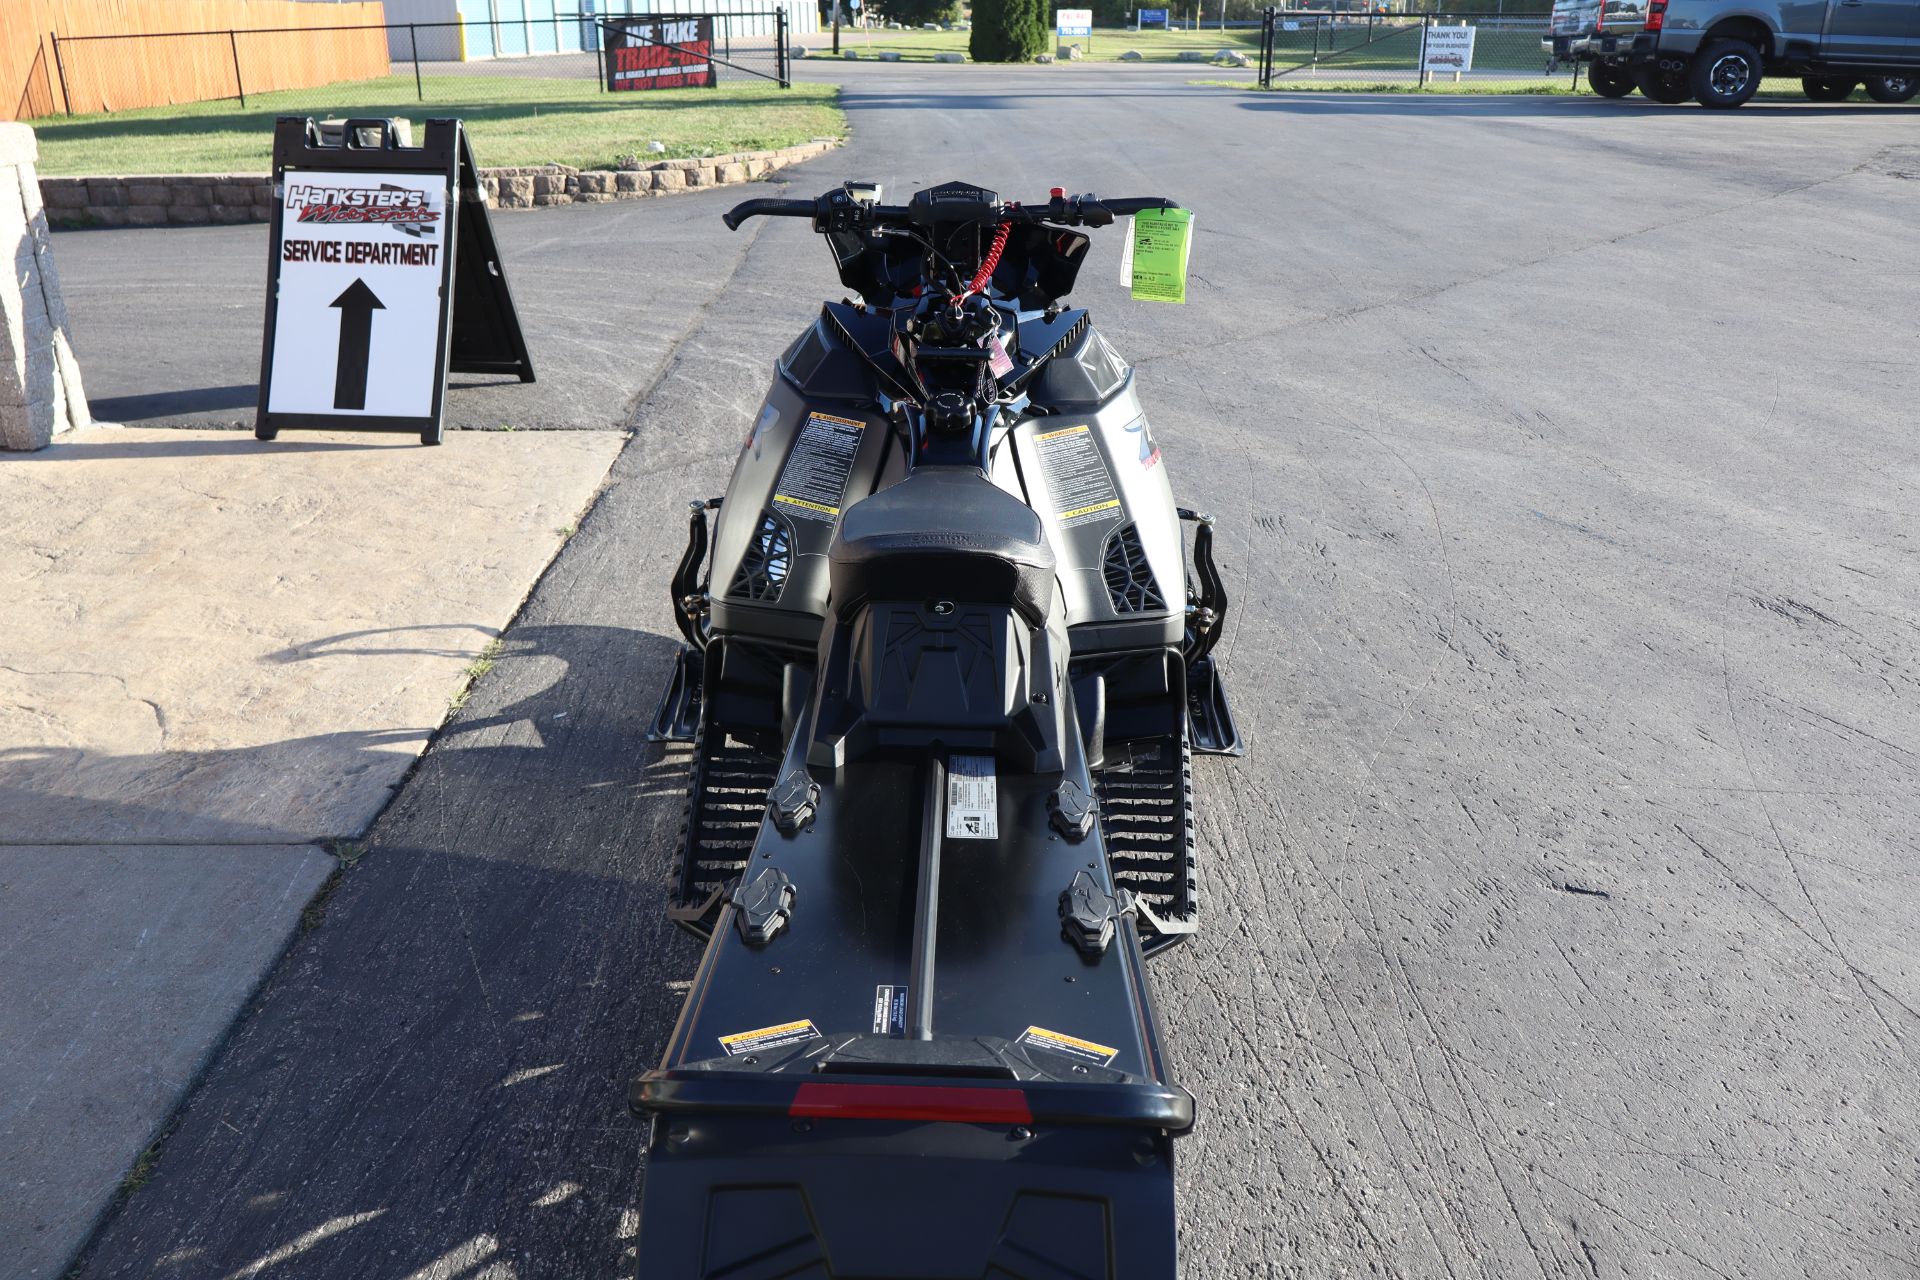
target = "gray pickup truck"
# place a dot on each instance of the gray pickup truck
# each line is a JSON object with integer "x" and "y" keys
{"x": 1716, "y": 51}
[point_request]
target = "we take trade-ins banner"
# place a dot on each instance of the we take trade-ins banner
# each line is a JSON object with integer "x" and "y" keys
{"x": 672, "y": 52}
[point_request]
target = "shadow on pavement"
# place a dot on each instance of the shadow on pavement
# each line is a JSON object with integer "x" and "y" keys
{"x": 166, "y": 403}
{"x": 434, "y": 1079}
{"x": 107, "y": 449}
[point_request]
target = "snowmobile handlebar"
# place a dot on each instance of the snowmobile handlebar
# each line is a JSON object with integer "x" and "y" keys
{"x": 838, "y": 210}
{"x": 766, "y": 209}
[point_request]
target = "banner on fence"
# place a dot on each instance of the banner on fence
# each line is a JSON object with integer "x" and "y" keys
{"x": 382, "y": 276}
{"x": 1444, "y": 49}
{"x": 667, "y": 52}
{"x": 1073, "y": 22}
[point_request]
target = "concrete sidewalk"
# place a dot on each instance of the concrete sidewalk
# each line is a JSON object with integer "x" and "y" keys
{"x": 220, "y": 658}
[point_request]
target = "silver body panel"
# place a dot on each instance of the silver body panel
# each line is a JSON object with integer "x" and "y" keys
{"x": 1090, "y": 468}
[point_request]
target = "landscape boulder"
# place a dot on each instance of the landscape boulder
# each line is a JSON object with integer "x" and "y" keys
{"x": 1132, "y": 55}
{"x": 1192, "y": 55}
{"x": 949, "y": 57}
{"x": 1070, "y": 53}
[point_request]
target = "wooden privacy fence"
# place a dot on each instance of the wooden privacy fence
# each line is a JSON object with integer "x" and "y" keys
{"x": 171, "y": 51}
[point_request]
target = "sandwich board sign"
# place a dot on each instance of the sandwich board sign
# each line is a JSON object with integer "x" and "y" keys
{"x": 670, "y": 52}
{"x": 383, "y": 276}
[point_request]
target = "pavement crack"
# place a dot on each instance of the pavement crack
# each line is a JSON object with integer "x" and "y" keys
{"x": 1793, "y": 866}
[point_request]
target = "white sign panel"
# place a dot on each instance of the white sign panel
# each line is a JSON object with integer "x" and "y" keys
{"x": 1447, "y": 49}
{"x": 1073, "y": 22}
{"x": 357, "y": 322}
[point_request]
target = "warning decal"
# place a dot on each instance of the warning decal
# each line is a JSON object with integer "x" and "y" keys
{"x": 1076, "y": 477}
{"x": 769, "y": 1037}
{"x": 889, "y": 1009}
{"x": 1072, "y": 1046}
{"x": 814, "y": 482}
{"x": 973, "y": 799}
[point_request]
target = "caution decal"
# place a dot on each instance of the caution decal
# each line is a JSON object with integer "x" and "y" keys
{"x": 1076, "y": 478}
{"x": 813, "y": 483}
{"x": 1071, "y": 1046}
{"x": 769, "y": 1037}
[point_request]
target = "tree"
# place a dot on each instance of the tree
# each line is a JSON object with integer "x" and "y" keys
{"x": 1010, "y": 30}
{"x": 914, "y": 12}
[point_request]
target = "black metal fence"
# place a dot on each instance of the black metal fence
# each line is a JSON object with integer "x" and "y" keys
{"x": 1425, "y": 52}
{"x": 471, "y": 64}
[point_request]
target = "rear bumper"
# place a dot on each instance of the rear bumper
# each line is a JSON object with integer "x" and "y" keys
{"x": 956, "y": 1158}
{"x": 1115, "y": 1104}
{"x": 1597, "y": 46}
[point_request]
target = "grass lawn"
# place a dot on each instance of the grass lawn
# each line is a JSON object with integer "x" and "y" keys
{"x": 511, "y": 120}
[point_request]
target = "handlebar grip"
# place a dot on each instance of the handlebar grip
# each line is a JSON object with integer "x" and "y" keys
{"x": 767, "y": 208}
{"x": 1134, "y": 204}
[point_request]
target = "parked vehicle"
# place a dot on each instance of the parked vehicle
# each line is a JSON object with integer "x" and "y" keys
{"x": 1716, "y": 51}
{"x": 947, "y": 659}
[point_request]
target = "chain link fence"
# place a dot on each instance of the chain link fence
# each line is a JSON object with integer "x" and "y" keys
{"x": 450, "y": 67}
{"x": 1411, "y": 52}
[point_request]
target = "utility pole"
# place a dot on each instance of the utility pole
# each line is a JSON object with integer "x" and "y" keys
{"x": 836, "y": 28}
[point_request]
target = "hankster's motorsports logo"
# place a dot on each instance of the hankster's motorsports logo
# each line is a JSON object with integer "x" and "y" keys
{"x": 402, "y": 208}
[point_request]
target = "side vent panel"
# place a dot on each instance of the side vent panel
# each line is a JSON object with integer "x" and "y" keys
{"x": 1129, "y": 577}
{"x": 768, "y": 560}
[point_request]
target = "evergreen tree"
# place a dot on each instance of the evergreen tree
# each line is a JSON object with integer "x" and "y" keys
{"x": 915, "y": 12}
{"x": 1031, "y": 26}
{"x": 1009, "y": 30}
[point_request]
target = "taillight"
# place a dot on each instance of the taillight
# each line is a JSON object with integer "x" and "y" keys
{"x": 1600, "y": 23}
{"x": 911, "y": 1102}
{"x": 1656, "y": 15}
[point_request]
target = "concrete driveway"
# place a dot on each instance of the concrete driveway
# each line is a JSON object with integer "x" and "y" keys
{"x": 1560, "y": 919}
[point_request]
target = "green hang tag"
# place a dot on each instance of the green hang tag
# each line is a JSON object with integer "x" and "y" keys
{"x": 1157, "y": 254}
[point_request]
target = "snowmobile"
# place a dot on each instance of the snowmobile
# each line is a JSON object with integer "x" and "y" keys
{"x": 947, "y": 655}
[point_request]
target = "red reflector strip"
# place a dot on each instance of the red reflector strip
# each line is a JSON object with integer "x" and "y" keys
{"x": 911, "y": 1102}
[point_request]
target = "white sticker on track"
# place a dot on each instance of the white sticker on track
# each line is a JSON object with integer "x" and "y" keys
{"x": 973, "y": 799}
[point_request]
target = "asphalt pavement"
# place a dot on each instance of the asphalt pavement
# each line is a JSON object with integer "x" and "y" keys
{"x": 173, "y": 316}
{"x": 1559, "y": 920}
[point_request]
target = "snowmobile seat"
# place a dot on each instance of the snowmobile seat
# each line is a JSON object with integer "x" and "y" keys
{"x": 947, "y": 533}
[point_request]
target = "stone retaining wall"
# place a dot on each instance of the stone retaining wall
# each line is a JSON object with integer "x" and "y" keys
{"x": 197, "y": 199}
{"x": 40, "y": 391}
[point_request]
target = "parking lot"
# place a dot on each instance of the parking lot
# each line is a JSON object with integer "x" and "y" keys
{"x": 1559, "y": 920}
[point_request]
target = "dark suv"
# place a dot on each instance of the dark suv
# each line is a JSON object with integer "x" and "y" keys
{"x": 1716, "y": 51}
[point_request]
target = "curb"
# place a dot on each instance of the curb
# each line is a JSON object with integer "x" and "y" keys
{"x": 200, "y": 199}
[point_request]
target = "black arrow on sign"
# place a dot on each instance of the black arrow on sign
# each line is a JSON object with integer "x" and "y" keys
{"x": 357, "y": 306}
